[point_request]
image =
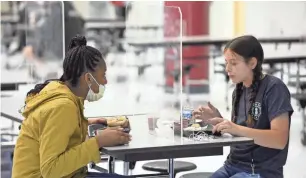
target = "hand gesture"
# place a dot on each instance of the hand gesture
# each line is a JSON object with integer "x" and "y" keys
{"x": 112, "y": 137}
{"x": 206, "y": 112}
{"x": 226, "y": 126}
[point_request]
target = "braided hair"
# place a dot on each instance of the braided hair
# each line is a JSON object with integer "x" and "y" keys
{"x": 248, "y": 47}
{"x": 79, "y": 59}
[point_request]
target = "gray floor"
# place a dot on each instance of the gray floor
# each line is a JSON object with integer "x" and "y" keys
{"x": 120, "y": 98}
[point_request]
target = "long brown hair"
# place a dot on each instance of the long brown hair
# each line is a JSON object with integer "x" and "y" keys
{"x": 248, "y": 47}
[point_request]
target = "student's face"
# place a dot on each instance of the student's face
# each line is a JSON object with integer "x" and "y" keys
{"x": 99, "y": 75}
{"x": 237, "y": 68}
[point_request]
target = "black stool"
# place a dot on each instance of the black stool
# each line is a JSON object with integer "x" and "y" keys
{"x": 197, "y": 175}
{"x": 162, "y": 166}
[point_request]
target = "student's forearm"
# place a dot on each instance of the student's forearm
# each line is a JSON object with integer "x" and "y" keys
{"x": 266, "y": 138}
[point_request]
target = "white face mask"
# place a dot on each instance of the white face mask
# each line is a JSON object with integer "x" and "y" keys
{"x": 91, "y": 95}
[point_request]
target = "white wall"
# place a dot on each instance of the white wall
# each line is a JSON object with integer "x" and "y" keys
{"x": 263, "y": 19}
{"x": 266, "y": 18}
{"x": 82, "y": 7}
{"x": 221, "y": 18}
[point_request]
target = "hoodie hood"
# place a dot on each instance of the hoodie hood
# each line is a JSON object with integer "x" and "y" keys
{"x": 52, "y": 91}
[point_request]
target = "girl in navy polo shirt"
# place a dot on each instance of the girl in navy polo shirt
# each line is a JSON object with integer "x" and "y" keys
{"x": 261, "y": 111}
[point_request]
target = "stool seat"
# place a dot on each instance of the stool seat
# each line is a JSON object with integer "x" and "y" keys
{"x": 162, "y": 166}
{"x": 197, "y": 175}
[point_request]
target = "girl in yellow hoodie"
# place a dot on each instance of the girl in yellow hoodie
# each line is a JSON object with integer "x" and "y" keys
{"x": 52, "y": 141}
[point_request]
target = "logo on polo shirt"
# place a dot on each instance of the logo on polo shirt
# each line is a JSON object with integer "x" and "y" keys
{"x": 256, "y": 110}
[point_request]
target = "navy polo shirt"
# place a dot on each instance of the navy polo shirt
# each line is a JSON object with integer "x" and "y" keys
{"x": 272, "y": 100}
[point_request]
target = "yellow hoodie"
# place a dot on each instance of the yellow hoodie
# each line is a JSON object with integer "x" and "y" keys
{"x": 51, "y": 143}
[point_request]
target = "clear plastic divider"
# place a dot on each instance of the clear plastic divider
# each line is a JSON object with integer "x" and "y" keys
{"x": 154, "y": 61}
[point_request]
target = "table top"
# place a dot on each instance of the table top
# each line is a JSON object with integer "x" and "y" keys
{"x": 11, "y": 103}
{"x": 285, "y": 58}
{"x": 299, "y": 96}
{"x": 162, "y": 143}
{"x": 152, "y": 142}
{"x": 9, "y": 19}
{"x": 15, "y": 77}
{"x": 207, "y": 40}
{"x": 148, "y": 146}
{"x": 117, "y": 25}
{"x": 99, "y": 20}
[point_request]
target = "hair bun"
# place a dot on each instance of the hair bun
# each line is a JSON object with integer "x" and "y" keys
{"x": 78, "y": 41}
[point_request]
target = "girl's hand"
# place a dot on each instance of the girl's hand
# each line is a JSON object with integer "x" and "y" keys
{"x": 206, "y": 113}
{"x": 226, "y": 126}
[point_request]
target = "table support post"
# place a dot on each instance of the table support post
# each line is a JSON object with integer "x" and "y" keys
{"x": 125, "y": 168}
{"x": 171, "y": 168}
{"x": 111, "y": 165}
